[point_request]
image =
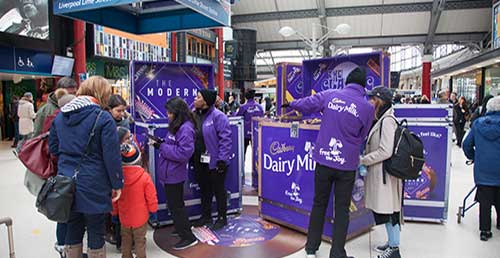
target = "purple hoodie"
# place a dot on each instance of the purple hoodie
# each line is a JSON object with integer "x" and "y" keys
{"x": 347, "y": 118}
{"x": 175, "y": 153}
{"x": 247, "y": 111}
{"x": 217, "y": 136}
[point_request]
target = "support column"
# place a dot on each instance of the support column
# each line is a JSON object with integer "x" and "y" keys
{"x": 426, "y": 75}
{"x": 173, "y": 47}
{"x": 79, "y": 49}
{"x": 220, "y": 62}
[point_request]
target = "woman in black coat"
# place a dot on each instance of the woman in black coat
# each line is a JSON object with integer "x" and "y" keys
{"x": 460, "y": 117}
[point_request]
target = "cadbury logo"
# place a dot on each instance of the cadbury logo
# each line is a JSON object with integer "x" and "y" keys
{"x": 279, "y": 148}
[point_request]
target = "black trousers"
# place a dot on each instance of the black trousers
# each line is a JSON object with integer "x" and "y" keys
{"x": 460, "y": 132}
{"x": 487, "y": 196}
{"x": 212, "y": 183}
{"x": 175, "y": 203}
{"x": 343, "y": 181}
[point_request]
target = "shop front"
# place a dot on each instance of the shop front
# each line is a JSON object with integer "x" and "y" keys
{"x": 468, "y": 85}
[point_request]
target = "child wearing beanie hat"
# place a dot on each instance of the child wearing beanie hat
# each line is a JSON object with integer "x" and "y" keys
{"x": 137, "y": 202}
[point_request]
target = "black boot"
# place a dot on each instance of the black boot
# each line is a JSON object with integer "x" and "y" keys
{"x": 219, "y": 224}
{"x": 485, "y": 235}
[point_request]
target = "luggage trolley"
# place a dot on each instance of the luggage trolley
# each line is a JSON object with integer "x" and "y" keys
{"x": 8, "y": 223}
{"x": 464, "y": 208}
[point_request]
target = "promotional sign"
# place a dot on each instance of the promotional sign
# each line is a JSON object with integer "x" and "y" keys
{"x": 192, "y": 192}
{"x": 154, "y": 83}
{"x": 287, "y": 180}
{"x": 218, "y": 10}
{"x": 426, "y": 197}
{"x": 65, "y": 6}
{"x": 289, "y": 85}
{"x": 495, "y": 28}
{"x": 25, "y": 18}
{"x": 331, "y": 73}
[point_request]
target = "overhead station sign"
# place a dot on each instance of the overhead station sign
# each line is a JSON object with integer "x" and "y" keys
{"x": 143, "y": 17}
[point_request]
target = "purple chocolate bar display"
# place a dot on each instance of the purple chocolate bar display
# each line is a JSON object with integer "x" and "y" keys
{"x": 287, "y": 180}
{"x": 153, "y": 83}
{"x": 331, "y": 73}
{"x": 289, "y": 85}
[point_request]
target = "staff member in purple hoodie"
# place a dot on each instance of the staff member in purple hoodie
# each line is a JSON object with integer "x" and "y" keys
{"x": 248, "y": 111}
{"x": 211, "y": 157}
{"x": 175, "y": 153}
{"x": 347, "y": 118}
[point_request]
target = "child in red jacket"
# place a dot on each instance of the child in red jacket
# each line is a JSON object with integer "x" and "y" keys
{"x": 137, "y": 201}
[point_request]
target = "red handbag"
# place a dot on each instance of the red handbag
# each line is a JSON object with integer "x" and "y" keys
{"x": 35, "y": 156}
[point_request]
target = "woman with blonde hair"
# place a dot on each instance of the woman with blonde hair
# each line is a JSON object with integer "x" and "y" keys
{"x": 93, "y": 159}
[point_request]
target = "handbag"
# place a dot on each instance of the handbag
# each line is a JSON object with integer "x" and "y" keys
{"x": 56, "y": 197}
{"x": 35, "y": 156}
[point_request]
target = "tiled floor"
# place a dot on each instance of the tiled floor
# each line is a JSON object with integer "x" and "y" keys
{"x": 35, "y": 235}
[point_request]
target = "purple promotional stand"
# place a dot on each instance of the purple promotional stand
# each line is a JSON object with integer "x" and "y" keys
{"x": 152, "y": 85}
{"x": 426, "y": 198}
{"x": 289, "y": 85}
{"x": 286, "y": 179}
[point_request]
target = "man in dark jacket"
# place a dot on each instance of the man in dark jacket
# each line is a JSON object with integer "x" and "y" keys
{"x": 482, "y": 145}
{"x": 347, "y": 119}
{"x": 14, "y": 104}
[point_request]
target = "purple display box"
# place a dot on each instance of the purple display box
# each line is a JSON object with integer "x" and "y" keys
{"x": 191, "y": 188}
{"x": 426, "y": 198}
{"x": 331, "y": 73}
{"x": 153, "y": 83}
{"x": 289, "y": 85}
{"x": 286, "y": 180}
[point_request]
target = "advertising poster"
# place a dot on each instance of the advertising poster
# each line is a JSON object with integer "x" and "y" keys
{"x": 331, "y": 73}
{"x": 154, "y": 83}
{"x": 191, "y": 187}
{"x": 287, "y": 189}
{"x": 495, "y": 29}
{"x": 255, "y": 152}
{"x": 290, "y": 85}
{"x": 25, "y": 18}
{"x": 426, "y": 197}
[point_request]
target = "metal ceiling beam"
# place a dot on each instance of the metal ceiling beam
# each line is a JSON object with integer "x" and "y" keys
{"x": 358, "y": 10}
{"x": 324, "y": 23}
{"x": 437, "y": 8}
{"x": 455, "y": 38}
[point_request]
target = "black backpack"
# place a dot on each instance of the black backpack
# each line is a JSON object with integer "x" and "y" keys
{"x": 407, "y": 157}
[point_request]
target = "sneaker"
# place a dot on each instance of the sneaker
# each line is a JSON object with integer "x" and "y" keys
{"x": 219, "y": 224}
{"x": 381, "y": 248}
{"x": 60, "y": 250}
{"x": 391, "y": 252}
{"x": 310, "y": 255}
{"x": 485, "y": 235}
{"x": 183, "y": 244}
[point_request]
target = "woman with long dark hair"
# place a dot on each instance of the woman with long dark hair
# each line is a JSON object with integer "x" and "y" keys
{"x": 460, "y": 116}
{"x": 175, "y": 152}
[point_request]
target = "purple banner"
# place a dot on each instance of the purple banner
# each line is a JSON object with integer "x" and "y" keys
{"x": 191, "y": 189}
{"x": 331, "y": 73}
{"x": 431, "y": 187}
{"x": 288, "y": 178}
{"x": 154, "y": 83}
{"x": 289, "y": 84}
{"x": 421, "y": 111}
{"x": 255, "y": 152}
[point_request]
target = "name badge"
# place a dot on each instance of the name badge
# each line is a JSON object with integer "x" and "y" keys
{"x": 205, "y": 158}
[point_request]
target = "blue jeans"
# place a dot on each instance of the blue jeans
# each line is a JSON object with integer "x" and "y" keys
{"x": 61, "y": 230}
{"x": 95, "y": 225}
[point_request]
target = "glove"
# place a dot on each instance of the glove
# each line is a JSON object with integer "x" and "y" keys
{"x": 156, "y": 145}
{"x": 115, "y": 220}
{"x": 285, "y": 105}
{"x": 221, "y": 166}
{"x": 153, "y": 217}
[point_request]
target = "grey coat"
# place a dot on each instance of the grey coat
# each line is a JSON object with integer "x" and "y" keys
{"x": 381, "y": 198}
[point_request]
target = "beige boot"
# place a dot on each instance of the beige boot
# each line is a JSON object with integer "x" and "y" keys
{"x": 74, "y": 251}
{"x": 97, "y": 253}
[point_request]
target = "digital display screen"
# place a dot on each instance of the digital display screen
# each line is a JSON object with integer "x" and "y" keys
{"x": 29, "y": 18}
{"x": 62, "y": 66}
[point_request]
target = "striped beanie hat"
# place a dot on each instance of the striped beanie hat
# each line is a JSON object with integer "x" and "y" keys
{"x": 130, "y": 154}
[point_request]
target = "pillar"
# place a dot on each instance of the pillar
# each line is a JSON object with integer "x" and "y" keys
{"x": 79, "y": 49}
{"x": 426, "y": 75}
{"x": 220, "y": 61}
{"x": 173, "y": 47}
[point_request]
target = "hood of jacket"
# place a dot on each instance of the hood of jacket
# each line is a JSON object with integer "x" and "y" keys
{"x": 52, "y": 99}
{"x": 77, "y": 110}
{"x": 23, "y": 102}
{"x": 132, "y": 174}
{"x": 489, "y": 126}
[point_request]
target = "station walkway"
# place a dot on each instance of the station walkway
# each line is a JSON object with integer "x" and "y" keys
{"x": 35, "y": 235}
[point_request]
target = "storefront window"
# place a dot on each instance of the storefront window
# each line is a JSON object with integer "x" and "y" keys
{"x": 492, "y": 80}
{"x": 467, "y": 85}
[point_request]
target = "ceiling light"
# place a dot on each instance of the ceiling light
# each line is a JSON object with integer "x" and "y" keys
{"x": 287, "y": 31}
